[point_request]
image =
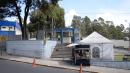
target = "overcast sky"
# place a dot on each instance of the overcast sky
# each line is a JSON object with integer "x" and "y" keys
{"x": 115, "y": 10}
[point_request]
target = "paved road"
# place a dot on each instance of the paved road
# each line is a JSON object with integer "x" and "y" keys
{"x": 17, "y": 67}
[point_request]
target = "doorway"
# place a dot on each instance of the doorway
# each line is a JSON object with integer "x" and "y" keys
{"x": 96, "y": 52}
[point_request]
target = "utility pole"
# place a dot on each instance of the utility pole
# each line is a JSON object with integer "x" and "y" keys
{"x": 52, "y": 23}
{"x": 129, "y": 36}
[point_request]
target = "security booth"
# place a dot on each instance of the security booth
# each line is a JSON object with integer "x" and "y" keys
{"x": 67, "y": 35}
{"x": 81, "y": 55}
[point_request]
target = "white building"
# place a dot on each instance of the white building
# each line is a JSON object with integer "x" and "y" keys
{"x": 100, "y": 47}
{"x": 10, "y": 28}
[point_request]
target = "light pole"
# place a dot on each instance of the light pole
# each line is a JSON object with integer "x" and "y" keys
{"x": 129, "y": 36}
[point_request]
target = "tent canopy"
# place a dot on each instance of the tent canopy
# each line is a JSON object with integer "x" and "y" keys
{"x": 71, "y": 45}
{"x": 95, "y": 38}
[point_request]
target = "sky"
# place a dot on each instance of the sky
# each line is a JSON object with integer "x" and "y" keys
{"x": 117, "y": 11}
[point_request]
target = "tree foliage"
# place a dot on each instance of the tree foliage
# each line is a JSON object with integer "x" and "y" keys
{"x": 106, "y": 28}
{"x": 48, "y": 16}
{"x": 13, "y": 8}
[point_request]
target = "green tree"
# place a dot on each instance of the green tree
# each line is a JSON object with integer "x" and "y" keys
{"x": 86, "y": 28}
{"x": 47, "y": 17}
{"x": 95, "y": 25}
{"x": 103, "y": 27}
{"x": 54, "y": 14}
{"x": 76, "y": 21}
{"x": 37, "y": 21}
{"x": 119, "y": 30}
{"x": 56, "y": 17}
{"x": 13, "y": 8}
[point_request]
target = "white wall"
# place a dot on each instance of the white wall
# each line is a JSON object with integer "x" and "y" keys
{"x": 106, "y": 51}
{"x": 25, "y": 48}
{"x": 31, "y": 48}
{"x": 48, "y": 49}
{"x": 18, "y": 31}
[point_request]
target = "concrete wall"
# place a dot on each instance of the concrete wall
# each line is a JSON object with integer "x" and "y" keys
{"x": 31, "y": 48}
{"x": 106, "y": 51}
{"x": 25, "y": 48}
{"x": 48, "y": 49}
{"x": 120, "y": 43}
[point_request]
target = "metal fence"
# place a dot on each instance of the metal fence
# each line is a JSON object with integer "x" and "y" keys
{"x": 27, "y": 53}
{"x": 112, "y": 64}
{"x": 120, "y": 61}
{"x": 125, "y": 57}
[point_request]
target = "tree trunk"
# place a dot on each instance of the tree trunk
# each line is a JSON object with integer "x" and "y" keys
{"x": 52, "y": 29}
{"x": 19, "y": 18}
{"x": 26, "y": 11}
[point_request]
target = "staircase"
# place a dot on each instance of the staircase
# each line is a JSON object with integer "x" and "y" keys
{"x": 62, "y": 52}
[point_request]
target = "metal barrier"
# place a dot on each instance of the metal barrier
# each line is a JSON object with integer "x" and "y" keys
{"x": 125, "y": 57}
{"x": 112, "y": 64}
{"x": 120, "y": 61}
{"x": 27, "y": 53}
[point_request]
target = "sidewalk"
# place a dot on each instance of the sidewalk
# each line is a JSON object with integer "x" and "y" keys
{"x": 60, "y": 64}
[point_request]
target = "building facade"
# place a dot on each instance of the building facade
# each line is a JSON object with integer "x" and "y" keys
{"x": 8, "y": 28}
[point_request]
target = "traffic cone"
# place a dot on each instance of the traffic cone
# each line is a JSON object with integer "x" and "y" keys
{"x": 34, "y": 63}
{"x": 81, "y": 69}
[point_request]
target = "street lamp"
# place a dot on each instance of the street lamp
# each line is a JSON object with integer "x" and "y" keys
{"x": 128, "y": 34}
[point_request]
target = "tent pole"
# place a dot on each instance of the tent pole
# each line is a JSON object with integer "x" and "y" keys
{"x": 102, "y": 51}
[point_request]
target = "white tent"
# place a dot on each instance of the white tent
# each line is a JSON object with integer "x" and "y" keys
{"x": 100, "y": 47}
{"x": 72, "y": 44}
{"x": 95, "y": 38}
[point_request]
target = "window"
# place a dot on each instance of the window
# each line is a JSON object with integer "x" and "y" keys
{"x": 96, "y": 52}
{"x": 4, "y": 28}
{"x": 11, "y": 28}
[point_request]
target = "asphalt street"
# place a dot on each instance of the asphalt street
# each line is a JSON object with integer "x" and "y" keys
{"x": 7, "y": 66}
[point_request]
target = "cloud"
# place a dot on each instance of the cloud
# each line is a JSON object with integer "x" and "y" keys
{"x": 15, "y": 19}
{"x": 69, "y": 16}
{"x": 117, "y": 16}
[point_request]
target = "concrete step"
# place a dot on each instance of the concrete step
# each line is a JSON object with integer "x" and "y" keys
{"x": 61, "y": 59}
{"x": 61, "y": 56}
{"x": 62, "y": 52}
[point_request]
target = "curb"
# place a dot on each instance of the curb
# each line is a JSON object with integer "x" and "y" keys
{"x": 48, "y": 65}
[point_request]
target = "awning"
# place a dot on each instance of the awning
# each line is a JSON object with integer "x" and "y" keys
{"x": 71, "y": 45}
